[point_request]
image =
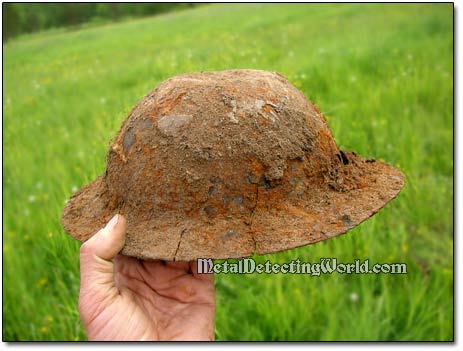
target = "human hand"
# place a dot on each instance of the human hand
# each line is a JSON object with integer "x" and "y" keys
{"x": 123, "y": 298}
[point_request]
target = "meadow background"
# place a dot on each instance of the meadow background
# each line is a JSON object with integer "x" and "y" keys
{"x": 383, "y": 76}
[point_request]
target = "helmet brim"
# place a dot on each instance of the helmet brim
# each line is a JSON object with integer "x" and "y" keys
{"x": 322, "y": 214}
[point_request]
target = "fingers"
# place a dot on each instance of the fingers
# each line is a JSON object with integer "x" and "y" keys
{"x": 96, "y": 265}
{"x": 190, "y": 268}
{"x": 200, "y": 276}
{"x": 108, "y": 241}
{"x": 183, "y": 266}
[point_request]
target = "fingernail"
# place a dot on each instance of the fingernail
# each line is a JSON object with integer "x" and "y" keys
{"x": 112, "y": 223}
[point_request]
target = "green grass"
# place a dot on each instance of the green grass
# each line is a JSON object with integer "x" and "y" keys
{"x": 381, "y": 73}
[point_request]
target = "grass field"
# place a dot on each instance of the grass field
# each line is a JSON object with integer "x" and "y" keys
{"x": 382, "y": 74}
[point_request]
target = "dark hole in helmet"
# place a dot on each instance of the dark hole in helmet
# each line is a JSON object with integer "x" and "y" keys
{"x": 343, "y": 157}
{"x": 263, "y": 181}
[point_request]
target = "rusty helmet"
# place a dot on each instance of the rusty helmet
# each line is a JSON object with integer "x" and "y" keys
{"x": 227, "y": 164}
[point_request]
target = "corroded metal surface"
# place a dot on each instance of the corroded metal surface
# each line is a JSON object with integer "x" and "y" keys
{"x": 225, "y": 164}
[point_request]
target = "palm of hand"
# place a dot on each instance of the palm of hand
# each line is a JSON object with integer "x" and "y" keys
{"x": 152, "y": 300}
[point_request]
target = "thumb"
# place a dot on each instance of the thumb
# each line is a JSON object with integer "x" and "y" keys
{"x": 97, "y": 284}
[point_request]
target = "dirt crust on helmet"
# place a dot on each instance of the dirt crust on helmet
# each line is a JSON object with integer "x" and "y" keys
{"x": 210, "y": 164}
